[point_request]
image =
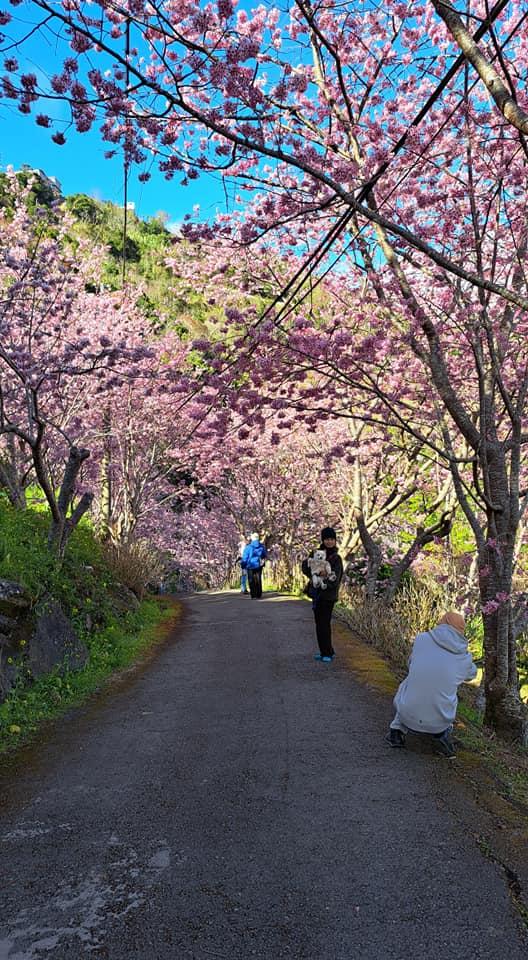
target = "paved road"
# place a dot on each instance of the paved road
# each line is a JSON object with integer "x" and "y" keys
{"x": 237, "y": 800}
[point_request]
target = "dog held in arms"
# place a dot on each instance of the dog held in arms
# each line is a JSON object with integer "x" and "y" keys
{"x": 320, "y": 569}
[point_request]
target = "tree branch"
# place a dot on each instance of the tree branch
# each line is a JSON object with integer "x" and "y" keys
{"x": 505, "y": 102}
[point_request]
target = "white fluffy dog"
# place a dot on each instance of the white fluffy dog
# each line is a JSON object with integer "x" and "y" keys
{"x": 320, "y": 569}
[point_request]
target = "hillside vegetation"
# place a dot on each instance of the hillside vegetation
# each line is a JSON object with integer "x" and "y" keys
{"x": 139, "y": 255}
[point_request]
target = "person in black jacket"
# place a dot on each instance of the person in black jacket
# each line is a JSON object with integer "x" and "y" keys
{"x": 323, "y": 600}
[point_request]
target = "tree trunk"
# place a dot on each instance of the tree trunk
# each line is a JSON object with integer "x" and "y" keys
{"x": 13, "y": 473}
{"x": 62, "y": 529}
{"x": 9, "y": 483}
{"x": 106, "y": 493}
{"x": 63, "y": 525}
{"x": 374, "y": 558}
{"x": 504, "y": 711}
{"x": 440, "y": 529}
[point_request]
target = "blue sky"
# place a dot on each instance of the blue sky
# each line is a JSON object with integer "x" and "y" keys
{"x": 81, "y": 168}
{"x": 80, "y": 165}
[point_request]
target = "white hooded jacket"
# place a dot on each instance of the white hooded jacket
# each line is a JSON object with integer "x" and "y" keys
{"x": 427, "y": 700}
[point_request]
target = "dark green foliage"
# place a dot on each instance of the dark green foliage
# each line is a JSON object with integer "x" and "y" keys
{"x": 85, "y": 208}
{"x": 81, "y": 582}
{"x": 44, "y": 191}
{"x": 357, "y": 574}
{"x": 114, "y": 241}
{"x": 85, "y": 588}
{"x": 154, "y": 226}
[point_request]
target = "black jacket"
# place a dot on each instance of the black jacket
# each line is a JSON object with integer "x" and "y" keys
{"x": 330, "y": 594}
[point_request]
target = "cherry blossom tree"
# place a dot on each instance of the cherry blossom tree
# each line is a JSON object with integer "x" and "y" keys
{"x": 153, "y": 439}
{"x": 320, "y": 105}
{"x": 390, "y": 135}
{"x": 58, "y": 343}
{"x": 378, "y": 477}
{"x": 448, "y": 371}
{"x": 15, "y": 470}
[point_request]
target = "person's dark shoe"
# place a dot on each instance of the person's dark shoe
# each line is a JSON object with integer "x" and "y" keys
{"x": 395, "y": 738}
{"x": 318, "y": 656}
{"x": 443, "y": 746}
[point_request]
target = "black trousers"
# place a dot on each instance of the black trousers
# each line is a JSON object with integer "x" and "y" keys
{"x": 323, "y": 616}
{"x": 255, "y": 583}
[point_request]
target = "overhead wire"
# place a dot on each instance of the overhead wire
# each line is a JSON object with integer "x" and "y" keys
{"x": 323, "y": 247}
{"x": 286, "y": 297}
{"x": 310, "y": 263}
{"x": 126, "y": 162}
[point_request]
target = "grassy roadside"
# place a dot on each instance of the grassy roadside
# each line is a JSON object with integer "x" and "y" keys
{"x": 498, "y": 771}
{"x": 103, "y": 612}
{"x": 492, "y": 800}
{"x": 510, "y": 762}
{"x": 507, "y": 764}
{"x": 121, "y": 643}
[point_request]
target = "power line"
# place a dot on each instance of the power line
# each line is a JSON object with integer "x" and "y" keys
{"x": 126, "y": 164}
{"x": 309, "y": 265}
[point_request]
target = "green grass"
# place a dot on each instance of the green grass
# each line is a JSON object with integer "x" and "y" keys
{"x": 506, "y": 764}
{"x": 81, "y": 582}
{"x": 89, "y": 595}
{"x": 114, "y": 648}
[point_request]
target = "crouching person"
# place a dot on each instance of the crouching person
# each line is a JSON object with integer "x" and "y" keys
{"x": 426, "y": 701}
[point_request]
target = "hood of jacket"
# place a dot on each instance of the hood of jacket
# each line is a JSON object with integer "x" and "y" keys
{"x": 449, "y": 638}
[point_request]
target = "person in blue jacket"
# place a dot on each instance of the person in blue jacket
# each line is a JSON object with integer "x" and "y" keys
{"x": 253, "y": 560}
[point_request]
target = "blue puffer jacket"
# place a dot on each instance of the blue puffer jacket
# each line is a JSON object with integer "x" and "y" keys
{"x": 253, "y": 554}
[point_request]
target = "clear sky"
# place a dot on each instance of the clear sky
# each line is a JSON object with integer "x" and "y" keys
{"x": 81, "y": 168}
{"x": 80, "y": 165}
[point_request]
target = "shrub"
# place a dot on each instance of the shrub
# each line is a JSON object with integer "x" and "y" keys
{"x": 391, "y": 628}
{"x": 135, "y": 564}
{"x": 421, "y": 603}
{"x": 376, "y": 623}
{"x": 356, "y": 573}
{"x": 79, "y": 582}
{"x": 280, "y": 574}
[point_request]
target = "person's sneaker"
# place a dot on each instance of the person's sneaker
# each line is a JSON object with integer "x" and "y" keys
{"x": 395, "y": 738}
{"x": 318, "y": 656}
{"x": 443, "y": 746}
{"x": 327, "y": 659}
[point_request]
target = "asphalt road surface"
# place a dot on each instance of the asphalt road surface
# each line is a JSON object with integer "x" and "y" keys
{"x": 235, "y": 799}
